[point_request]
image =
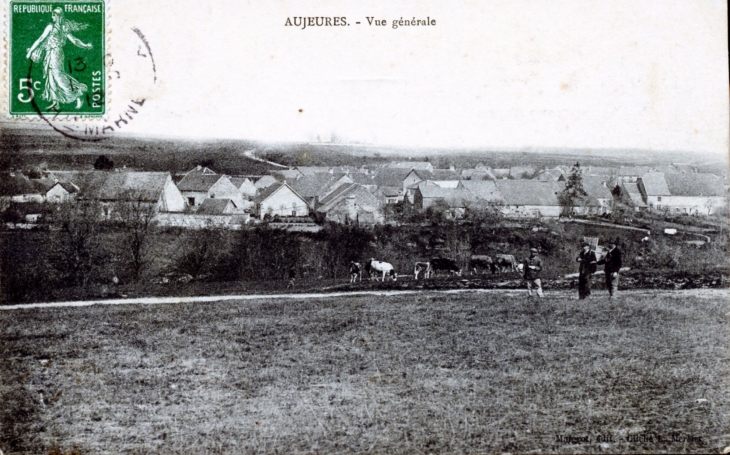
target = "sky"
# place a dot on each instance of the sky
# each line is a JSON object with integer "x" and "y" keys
{"x": 506, "y": 74}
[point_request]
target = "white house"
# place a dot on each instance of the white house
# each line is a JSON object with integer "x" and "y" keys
{"x": 197, "y": 187}
{"x": 281, "y": 200}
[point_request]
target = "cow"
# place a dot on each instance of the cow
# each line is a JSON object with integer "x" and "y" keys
{"x": 384, "y": 267}
{"x": 424, "y": 267}
{"x": 355, "y": 272}
{"x": 445, "y": 264}
{"x": 477, "y": 261}
{"x": 505, "y": 263}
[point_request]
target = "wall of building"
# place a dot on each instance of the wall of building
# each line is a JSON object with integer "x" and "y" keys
{"x": 283, "y": 203}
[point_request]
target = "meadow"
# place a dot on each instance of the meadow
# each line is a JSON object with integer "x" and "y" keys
{"x": 429, "y": 372}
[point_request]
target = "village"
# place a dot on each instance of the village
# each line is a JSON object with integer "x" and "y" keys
{"x": 303, "y": 197}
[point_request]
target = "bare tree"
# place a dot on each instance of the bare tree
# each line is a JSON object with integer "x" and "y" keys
{"x": 135, "y": 212}
{"x": 201, "y": 248}
{"x": 78, "y": 246}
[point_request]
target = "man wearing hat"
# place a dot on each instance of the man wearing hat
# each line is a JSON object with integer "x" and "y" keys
{"x": 531, "y": 269}
{"x": 612, "y": 260}
{"x": 587, "y": 267}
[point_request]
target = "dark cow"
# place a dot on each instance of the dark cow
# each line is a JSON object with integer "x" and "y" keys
{"x": 448, "y": 265}
{"x": 480, "y": 261}
{"x": 424, "y": 267}
{"x": 505, "y": 263}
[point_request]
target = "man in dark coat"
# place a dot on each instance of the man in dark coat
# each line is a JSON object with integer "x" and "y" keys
{"x": 612, "y": 260}
{"x": 587, "y": 267}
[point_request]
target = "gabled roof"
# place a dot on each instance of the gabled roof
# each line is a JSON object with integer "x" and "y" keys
{"x": 694, "y": 184}
{"x": 198, "y": 181}
{"x": 270, "y": 190}
{"x": 655, "y": 184}
{"x": 215, "y": 207}
{"x": 633, "y": 193}
{"x": 354, "y": 190}
{"x": 594, "y": 186}
{"x": 528, "y": 192}
{"x": 238, "y": 181}
{"x": 392, "y": 177}
{"x": 315, "y": 185}
{"x": 454, "y": 197}
{"x": 549, "y": 175}
{"x": 144, "y": 186}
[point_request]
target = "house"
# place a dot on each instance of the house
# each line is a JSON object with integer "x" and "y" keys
{"x": 352, "y": 203}
{"x": 280, "y": 199}
{"x": 631, "y": 174}
{"x": 316, "y": 186}
{"x": 694, "y": 193}
{"x": 391, "y": 182}
{"x": 599, "y": 199}
{"x": 152, "y": 188}
{"x": 216, "y": 207}
{"x": 653, "y": 187}
{"x": 61, "y": 192}
{"x": 529, "y": 198}
{"x": 245, "y": 185}
{"x": 311, "y": 170}
{"x": 631, "y": 194}
{"x": 197, "y": 186}
{"x": 196, "y": 170}
{"x": 429, "y": 194}
{"x": 445, "y": 178}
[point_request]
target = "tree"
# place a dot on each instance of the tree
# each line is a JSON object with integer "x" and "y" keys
{"x": 573, "y": 191}
{"x": 78, "y": 246}
{"x": 103, "y": 163}
{"x": 136, "y": 216}
{"x": 201, "y": 249}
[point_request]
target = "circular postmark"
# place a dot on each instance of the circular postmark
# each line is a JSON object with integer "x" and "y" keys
{"x": 139, "y": 69}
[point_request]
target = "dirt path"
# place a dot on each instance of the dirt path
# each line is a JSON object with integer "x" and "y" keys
{"x": 707, "y": 293}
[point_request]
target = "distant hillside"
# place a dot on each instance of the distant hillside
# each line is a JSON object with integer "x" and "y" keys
{"x": 58, "y": 152}
{"x": 26, "y": 147}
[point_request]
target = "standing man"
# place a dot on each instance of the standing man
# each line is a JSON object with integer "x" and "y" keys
{"x": 586, "y": 268}
{"x": 531, "y": 269}
{"x": 613, "y": 266}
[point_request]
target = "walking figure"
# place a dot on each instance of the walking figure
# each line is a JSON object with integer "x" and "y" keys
{"x": 612, "y": 260}
{"x": 531, "y": 269}
{"x": 586, "y": 268}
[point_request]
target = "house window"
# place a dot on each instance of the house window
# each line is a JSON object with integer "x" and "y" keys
{"x": 293, "y": 209}
{"x": 191, "y": 201}
{"x": 212, "y": 195}
{"x": 659, "y": 199}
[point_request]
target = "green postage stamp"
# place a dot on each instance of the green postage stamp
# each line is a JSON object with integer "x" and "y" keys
{"x": 56, "y": 54}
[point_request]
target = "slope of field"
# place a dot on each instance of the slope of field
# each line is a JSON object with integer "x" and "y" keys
{"x": 432, "y": 372}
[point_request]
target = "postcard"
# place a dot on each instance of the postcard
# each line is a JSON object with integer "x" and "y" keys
{"x": 364, "y": 227}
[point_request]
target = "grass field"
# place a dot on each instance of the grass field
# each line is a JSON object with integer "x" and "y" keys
{"x": 434, "y": 372}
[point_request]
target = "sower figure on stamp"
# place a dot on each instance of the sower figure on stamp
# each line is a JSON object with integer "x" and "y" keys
{"x": 587, "y": 267}
{"x": 612, "y": 260}
{"x": 531, "y": 269}
{"x": 60, "y": 87}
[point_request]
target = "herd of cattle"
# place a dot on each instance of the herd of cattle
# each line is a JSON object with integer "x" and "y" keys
{"x": 501, "y": 263}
